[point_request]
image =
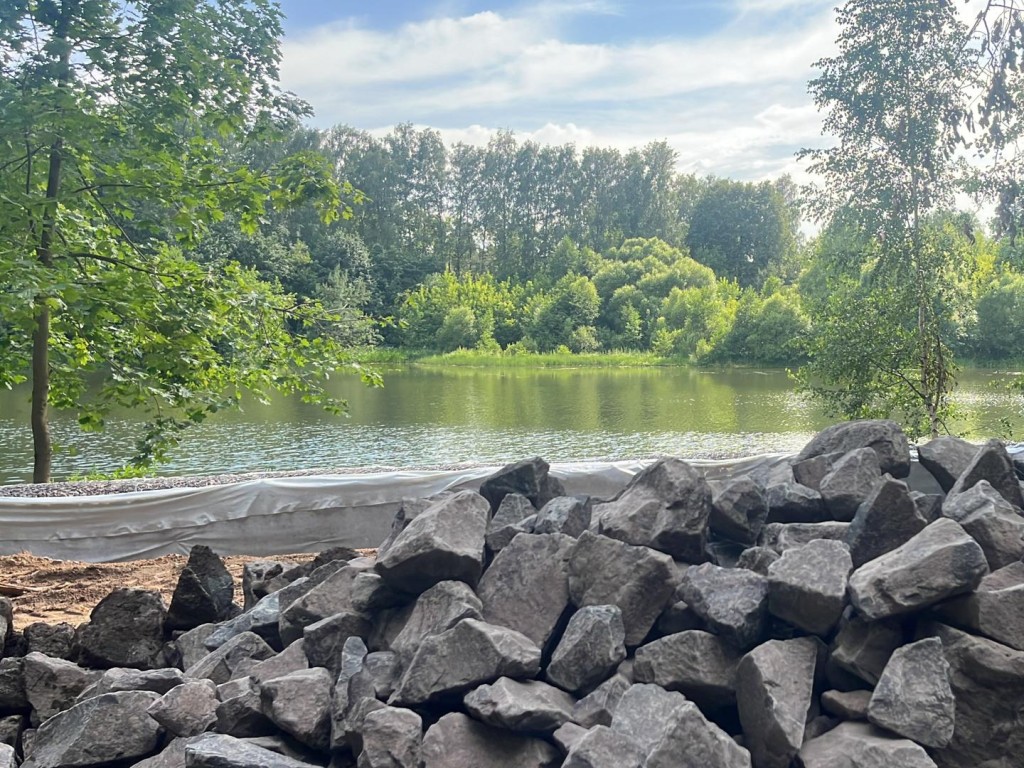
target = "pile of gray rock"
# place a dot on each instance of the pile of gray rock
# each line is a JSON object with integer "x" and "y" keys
{"x": 846, "y": 609}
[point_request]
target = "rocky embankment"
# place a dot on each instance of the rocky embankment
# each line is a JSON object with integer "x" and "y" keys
{"x": 840, "y": 612}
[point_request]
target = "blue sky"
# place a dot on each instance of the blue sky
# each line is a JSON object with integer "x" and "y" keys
{"x": 724, "y": 82}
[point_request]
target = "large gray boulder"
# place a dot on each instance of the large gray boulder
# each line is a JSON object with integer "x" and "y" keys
{"x": 330, "y": 597}
{"x": 526, "y": 588}
{"x": 291, "y": 659}
{"x": 456, "y": 740}
{"x": 794, "y": 503}
{"x": 446, "y": 542}
{"x": 913, "y": 697}
{"x": 322, "y": 641}
{"x": 507, "y": 521}
{"x": 515, "y": 705}
{"x": 240, "y": 712}
{"x": 783, "y": 536}
{"x": 807, "y": 586}
{"x": 300, "y": 705}
{"x": 601, "y": 747}
{"x": 529, "y": 478}
{"x": 995, "y": 609}
{"x": 860, "y": 745}
{"x": 598, "y": 706}
{"x": 987, "y": 680}
{"x": 947, "y": 458}
{"x": 217, "y": 750}
{"x": 887, "y": 518}
{"x": 885, "y": 437}
{"x": 263, "y": 619}
{"x": 125, "y": 629}
{"x": 863, "y": 647}
{"x": 995, "y": 524}
{"x": 732, "y": 603}
{"x": 774, "y": 686}
{"x": 569, "y": 515}
{"x": 941, "y": 561}
{"x": 738, "y": 509}
{"x": 204, "y": 592}
{"x": 392, "y": 738}
{"x": 666, "y": 507}
{"x": 13, "y": 700}
{"x": 991, "y": 462}
{"x": 849, "y": 483}
{"x": 639, "y": 580}
{"x": 467, "y": 655}
{"x": 591, "y": 647}
{"x": 435, "y": 611}
{"x": 698, "y": 664}
{"x": 104, "y": 730}
{"x": 51, "y": 685}
{"x": 188, "y": 709}
{"x": 672, "y": 732}
{"x": 56, "y": 640}
{"x": 121, "y": 679}
{"x": 233, "y": 658}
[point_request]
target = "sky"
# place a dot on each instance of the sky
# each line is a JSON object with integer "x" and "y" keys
{"x": 724, "y": 82}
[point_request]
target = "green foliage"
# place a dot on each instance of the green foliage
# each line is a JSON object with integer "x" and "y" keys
{"x": 564, "y": 316}
{"x": 769, "y": 329}
{"x": 998, "y": 332}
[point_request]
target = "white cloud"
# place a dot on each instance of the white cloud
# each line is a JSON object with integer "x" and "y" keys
{"x": 732, "y": 103}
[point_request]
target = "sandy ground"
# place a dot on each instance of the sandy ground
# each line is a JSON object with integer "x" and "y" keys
{"x": 59, "y": 590}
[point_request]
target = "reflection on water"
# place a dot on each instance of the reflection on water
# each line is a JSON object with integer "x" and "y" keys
{"x": 433, "y": 417}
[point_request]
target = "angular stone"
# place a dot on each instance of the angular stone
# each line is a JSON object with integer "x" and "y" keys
{"x": 774, "y": 686}
{"x": 887, "y": 519}
{"x": 810, "y": 472}
{"x": 941, "y": 561}
{"x": 529, "y": 478}
{"x": 849, "y": 483}
{"x": 846, "y": 705}
{"x": 601, "y": 747}
{"x": 446, "y": 542}
{"x": 370, "y": 594}
{"x": 125, "y": 629}
{"x": 408, "y": 510}
{"x": 232, "y": 659}
{"x": 11, "y": 728}
{"x": 733, "y": 603}
{"x": 103, "y": 730}
{"x": 188, "y": 709}
{"x": 506, "y": 523}
{"x": 567, "y": 734}
{"x": 52, "y": 685}
{"x": 383, "y": 667}
{"x": 698, "y": 664}
{"x": 598, "y": 707}
{"x": 190, "y": 646}
{"x": 783, "y": 536}
{"x": 54, "y": 640}
{"x": 666, "y": 507}
{"x": 564, "y": 514}
{"x": 863, "y": 647}
{"x": 392, "y": 738}
{"x": 8, "y": 758}
{"x": 947, "y": 458}
{"x": 987, "y": 680}
{"x": 860, "y": 745}
{"x": 300, "y": 705}
{"x": 13, "y": 699}
{"x": 529, "y": 705}
{"x": 738, "y": 509}
{"x": 991, "y": 462}
{"x": 913, "y": 697}
{"x": 350, "y": 688}
{"x": 455, "y": 740}
{"x": 929, "y": 505}
{"x": 467, "y": 655}
{"x": 677, "y": 618}
{"x": 242, "y": 715}
{"x": 256, "y": 577}
{"x": 526, "y": 588}
{"x": 437, "y": 610}
{"x": 672, "y": 733}
{"x": 885, "y": 437}
{"x": 591, "y": 648}
{"x": 158, "y": 681}
{"x": 262, "y": 619}
{"x": 992, "y": 521}
{"x": 204, "y": 592}
{"x": 322, "y": 641}
{"x": 793, "y": 503}
{"x": 291, "y": 659}
{"x": 995, "y": 609}
{"x": 639, "y": 580}
{"x": 807, "y": 586}
{"x": 330, "y": 597}
{"x": 757, "y": 559}
{"x": 216, "y": 750}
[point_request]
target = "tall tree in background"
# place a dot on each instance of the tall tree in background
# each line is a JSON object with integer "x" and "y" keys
{"x": 895, "y": 99}
{"x": 122, "y": 125}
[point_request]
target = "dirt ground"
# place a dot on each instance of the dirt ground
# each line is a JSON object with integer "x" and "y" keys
{"x": 60, "y": 590}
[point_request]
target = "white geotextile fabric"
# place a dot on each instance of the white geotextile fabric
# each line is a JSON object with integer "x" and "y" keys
{"x": 267, "y": 516}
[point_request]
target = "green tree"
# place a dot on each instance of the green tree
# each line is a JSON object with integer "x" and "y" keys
{"x": 894, "y": 98}
{"x": 564, "y": 316}
{"x": 123, "y": 122}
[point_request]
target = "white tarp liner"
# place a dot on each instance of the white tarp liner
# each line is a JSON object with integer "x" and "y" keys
{"x": 271, "y": 515}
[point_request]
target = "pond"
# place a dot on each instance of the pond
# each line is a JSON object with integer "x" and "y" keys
{"x": 431, "y": 417}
